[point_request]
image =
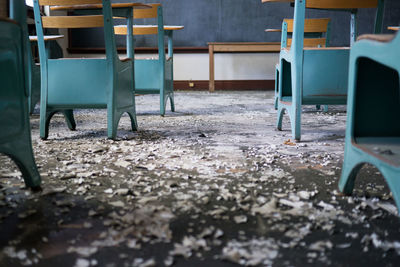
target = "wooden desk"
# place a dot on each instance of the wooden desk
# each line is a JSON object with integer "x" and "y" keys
{"x": 120, "y": 10}
{"x": 252, "y": 47}
{"x": 99, "y": 6}
{"x": 394, "y": 28}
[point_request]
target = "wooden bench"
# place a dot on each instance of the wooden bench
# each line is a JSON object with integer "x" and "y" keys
{"x": 236, "y": 47}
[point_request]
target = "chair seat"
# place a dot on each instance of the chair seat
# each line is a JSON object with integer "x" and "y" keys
{"x": 383, "y": 38}
{"x": 152, "y": 57}
{"x": 126, "y": 59}
{"x": 144, "y": 29}
{"x": 287, "y": 49}
{"x": 385, "y": 148}
{"x": 166, "y": 27}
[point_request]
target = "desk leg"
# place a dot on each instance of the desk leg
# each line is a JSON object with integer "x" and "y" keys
{"x": 212, "y": 81}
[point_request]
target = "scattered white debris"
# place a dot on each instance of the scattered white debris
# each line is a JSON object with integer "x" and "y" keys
{"x": 240, "y": 219}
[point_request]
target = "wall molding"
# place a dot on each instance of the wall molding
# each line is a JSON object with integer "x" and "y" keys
{"x": 138, "y": 50}
{"x": 264, "y": 85}
{"x": 149, "y": 50}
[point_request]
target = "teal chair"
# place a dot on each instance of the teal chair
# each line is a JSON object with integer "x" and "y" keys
{"x": 155, "y": 75}
{"x": 316, "y": 34}
{"x": 373, "y": 128}
{"x": 315, "y": 76}
{"x": 68, "y": 83}
{"x": 53, "y": 51}
{"x": 15, "y": 134}
{"x": 18, "y": 12}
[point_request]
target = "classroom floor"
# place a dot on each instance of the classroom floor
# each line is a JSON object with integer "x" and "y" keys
{"x": 213, "y": 184}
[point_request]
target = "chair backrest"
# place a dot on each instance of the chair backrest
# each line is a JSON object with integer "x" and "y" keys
{"x": 155, "y": 12}
{"x": 152, "y": 13}
{"x": 13, "y": 91}
{"x": 316, "y": 32}
{"x": 147, "y": 13}
{"x": 71, "y": 21}
{"x": 81, "y": 21}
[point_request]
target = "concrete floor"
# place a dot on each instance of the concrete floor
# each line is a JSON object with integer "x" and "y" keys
{"x": 212, "y": 184}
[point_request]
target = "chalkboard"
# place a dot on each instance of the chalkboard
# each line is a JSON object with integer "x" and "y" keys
{"x": 235, "y": 21}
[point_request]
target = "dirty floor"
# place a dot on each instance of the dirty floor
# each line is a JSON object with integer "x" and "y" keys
{"x": 213, "y": 184}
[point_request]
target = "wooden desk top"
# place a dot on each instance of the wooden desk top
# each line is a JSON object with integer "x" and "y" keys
{"x": 166, "y": 27}
{"x": 334, "y": 4}
{"x": 273, "y": 30}
{"x": 288, "y": 1}
{"x": 245, "y": 47}
{"x": 394, "y": 28}
{"x": 244, "y": 43}
{"x": 34, "y": 38}
{"x": 98, "y": 6}
{"x": 383, "y": 38}
{"x": 144, "y": 29}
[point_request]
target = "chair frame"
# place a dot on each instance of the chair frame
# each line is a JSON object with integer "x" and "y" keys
{"x": 110, "y": 81}
{"x": 19, "y": 14}
{"x": 362, "y": 137}
{"x": 155, "y": 76}
{"x": 308, "y": 36}
{"x": 300, "y": 68}
{"x": 17, "y": 143}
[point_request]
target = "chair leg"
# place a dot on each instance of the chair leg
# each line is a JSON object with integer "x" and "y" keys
{"x": 392, "y": 179}
{"x": 31, "y": 104}
{"x": 45, "y": 117}
{"x": 112, "y": 122}
{"x": 326, "y": 108}
{"x": 45, "y": 121}
{"x": 350, "y": 169}
{"x": 22, "y": 155}
{"x": 162, "y": 103}
{"x": 276, "y": 88}
{"x": 280, "y": 114}
{"x": 132, "y": 116}
{"x": 69, "y": 117}
{"x": 295, "y": 121}
{"x": 172, "y": 102}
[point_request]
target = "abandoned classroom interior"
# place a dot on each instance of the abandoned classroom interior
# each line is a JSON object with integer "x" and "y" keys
{"x": 199, "y": 133}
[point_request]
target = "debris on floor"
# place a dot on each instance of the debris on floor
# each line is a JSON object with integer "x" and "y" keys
{"x": 212, "y": 184}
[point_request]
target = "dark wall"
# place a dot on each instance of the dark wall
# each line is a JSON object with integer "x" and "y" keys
{"x": 238, "y": 21}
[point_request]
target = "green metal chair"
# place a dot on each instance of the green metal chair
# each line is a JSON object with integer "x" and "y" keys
{"x": 373, "y": 131}
{"x": 53, "y": 51}
{"x": 18, "y": 12}
{"x": 155, "y": 75}
{"x": 68, "y": 83}
{"x": 15, "y": 134}
{"x": 316, "y": 76}
{"x": 316, "y": 34}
